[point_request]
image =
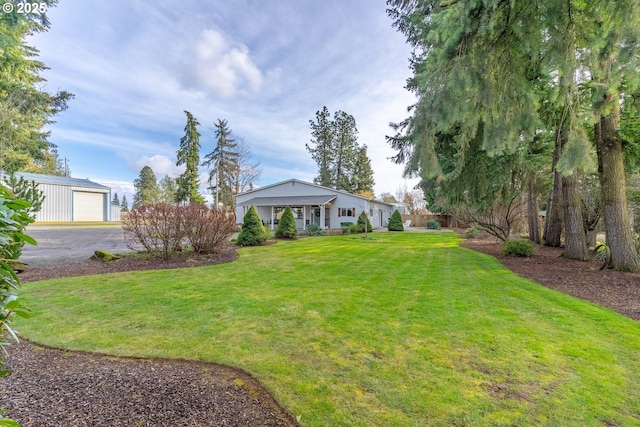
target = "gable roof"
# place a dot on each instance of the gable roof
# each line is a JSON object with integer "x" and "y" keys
{"x": 59, "y": 180}
{"x": 289, "y": 200}
{"x": 329, "y": 191}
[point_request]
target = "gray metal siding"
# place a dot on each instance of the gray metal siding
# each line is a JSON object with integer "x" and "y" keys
{"x": 57, "y": 204}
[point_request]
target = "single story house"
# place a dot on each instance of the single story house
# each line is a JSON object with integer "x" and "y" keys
{"x": 311, "y": 204}
{"x": 72, "y": 199}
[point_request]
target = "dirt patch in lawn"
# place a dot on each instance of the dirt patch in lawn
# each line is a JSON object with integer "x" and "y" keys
{"x": 51, "y": 387}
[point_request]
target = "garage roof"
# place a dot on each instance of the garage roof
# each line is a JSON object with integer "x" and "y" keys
{"x": 289, "y": 201}
{"x": 60, "y": 180}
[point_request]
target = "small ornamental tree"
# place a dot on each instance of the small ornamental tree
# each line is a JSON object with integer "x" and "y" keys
{"x": 253, "y": 232}
{"x": 395, "y": 222}
{"x": 287, "y": 225}
{"x": 362, "y": 220}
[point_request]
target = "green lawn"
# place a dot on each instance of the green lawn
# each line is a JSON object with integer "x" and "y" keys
{"x": 407, "y": 329}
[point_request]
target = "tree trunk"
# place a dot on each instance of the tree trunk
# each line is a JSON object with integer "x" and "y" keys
{"x": 624, "y": 255}
{"x": 575, "y": 238}
{"x": 532, "y": 210}
{"x": 553, "y": 221}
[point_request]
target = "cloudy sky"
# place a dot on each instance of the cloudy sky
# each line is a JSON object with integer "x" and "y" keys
{"x": 264, "y": 66}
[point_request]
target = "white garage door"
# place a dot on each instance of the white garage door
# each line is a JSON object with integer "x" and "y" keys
{"x": 88, "y": 206}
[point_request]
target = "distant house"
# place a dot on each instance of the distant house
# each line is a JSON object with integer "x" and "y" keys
{"x": 311, "y": 204}
{"x": 72, "y": 199}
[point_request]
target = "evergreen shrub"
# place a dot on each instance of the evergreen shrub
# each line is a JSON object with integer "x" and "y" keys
{"x": 395, "y": 222}
{"x": 314, "y": 230}
{"x": 433, "y": 224}
{"x": 253, "y": 232}
{"x": 363, "y": 221}
{"x": 472, "y": 233}
{"x": 287, "y": 226}
{"x": 518, "y": 247}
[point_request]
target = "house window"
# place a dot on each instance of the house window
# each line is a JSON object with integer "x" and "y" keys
{"x": 347, "y": 212}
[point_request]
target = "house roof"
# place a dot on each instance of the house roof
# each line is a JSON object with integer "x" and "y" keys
{"x": 59, "y": 180}
{"x": 329, "y": 190}
{"x": 289, "y": 200}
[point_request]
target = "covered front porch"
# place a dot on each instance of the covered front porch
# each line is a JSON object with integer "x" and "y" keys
{"x": 306, "y": 210}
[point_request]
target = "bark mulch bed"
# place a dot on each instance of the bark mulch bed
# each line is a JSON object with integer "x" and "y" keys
{"x": 50, "y": 387}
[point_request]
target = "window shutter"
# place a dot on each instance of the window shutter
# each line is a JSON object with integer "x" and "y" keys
{"x": 354, "y": 212}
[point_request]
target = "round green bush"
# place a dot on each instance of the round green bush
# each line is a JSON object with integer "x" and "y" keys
{"x": 518, "y": 247}
{"x": 472, "y": 233}
{"x": 287, "y": 226}
{"x": 395, "y": 222}
{"x": 253, "y": 232}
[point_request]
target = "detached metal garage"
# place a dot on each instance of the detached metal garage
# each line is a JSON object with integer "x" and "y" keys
{"x": 71, "y": 199}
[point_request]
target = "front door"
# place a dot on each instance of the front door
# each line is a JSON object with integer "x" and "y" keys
{"x": 316, "y": 216}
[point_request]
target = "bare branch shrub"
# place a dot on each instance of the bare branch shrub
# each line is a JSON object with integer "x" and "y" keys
{"x": 206, "y": 229}
{"x": 156, "y": 227}
{"x": 498, "y": 219}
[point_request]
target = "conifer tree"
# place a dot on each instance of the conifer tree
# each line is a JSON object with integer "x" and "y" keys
{"x": 225, "y": 166}
{"x": 115, "y": 201}
{"x": 125, "y": 205}
{"x": 146, "y": 188}
{"x": 287, "y": 226}
{"x": 395, "y": 222}
{"x": 189, "y": 155}
{"x": 363, "y": 224}
{"x": 253, "y": 232}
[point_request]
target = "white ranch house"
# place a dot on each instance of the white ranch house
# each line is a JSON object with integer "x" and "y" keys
{"x": 311, "y": 204}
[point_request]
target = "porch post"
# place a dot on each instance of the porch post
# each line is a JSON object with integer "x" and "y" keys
{"x": 272, "y": 216}
{"x": 322, "y": 216}
{"x": 304, "y": 217}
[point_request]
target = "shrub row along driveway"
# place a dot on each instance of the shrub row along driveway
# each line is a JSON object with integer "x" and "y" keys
{"x": 70, "y": 243}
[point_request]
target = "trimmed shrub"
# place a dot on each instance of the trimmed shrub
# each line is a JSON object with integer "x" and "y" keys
{"x": 314, "y": 230}
{"x": 472, "y": 233}
{"x": 353, "y": 228}
{"x": 253, "y": 232}
{"x": 519, "y": 247}
{"x": 433, "y": 224}
{"x": 363, "y": 220}
{"x": 346, "y": 229}
{"x": 395, "y": 222}
{"x": 287, "y": 226}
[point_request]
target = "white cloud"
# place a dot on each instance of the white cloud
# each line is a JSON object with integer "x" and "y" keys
{"x": 218, "y": 66}
{"x": 160, "y": 164}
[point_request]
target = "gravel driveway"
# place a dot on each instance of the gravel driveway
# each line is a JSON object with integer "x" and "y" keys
{"x": 71, "y": 244}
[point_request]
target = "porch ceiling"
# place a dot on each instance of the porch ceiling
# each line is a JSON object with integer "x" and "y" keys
{"x": 289, "y": 200}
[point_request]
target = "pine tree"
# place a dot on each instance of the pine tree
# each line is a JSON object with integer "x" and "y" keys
{"x": 362, "y": 181}
{"x": 189, "y": 155}
{"x": 146, "y": 188}
{"x": 287, "y": 226}
{"x": 253, "y": 232}
{"x": 115, "y": 201}
{"x": 125, "y": 205}
{"x": 224, "y": 160}
{"x": 322, "y": 148}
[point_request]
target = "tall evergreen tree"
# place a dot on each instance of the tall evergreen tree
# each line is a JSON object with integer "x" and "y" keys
{"x": 342, "y": 163}
{"x": 189, "y": 155}
{"x": 322, "y": 148}
{"x": 525, "y": 48}
{"x": 146, "y": 188}
{"x": 125, "y": 205}
{"x": 115, "y": 201}
{"x": 225, "y": 166}
{"x": 25, "y": 109}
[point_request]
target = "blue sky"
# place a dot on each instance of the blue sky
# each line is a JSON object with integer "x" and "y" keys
{"x": 264, "y": 66}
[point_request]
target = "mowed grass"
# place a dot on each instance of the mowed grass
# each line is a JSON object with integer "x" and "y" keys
{"x": 406, "y": 329}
